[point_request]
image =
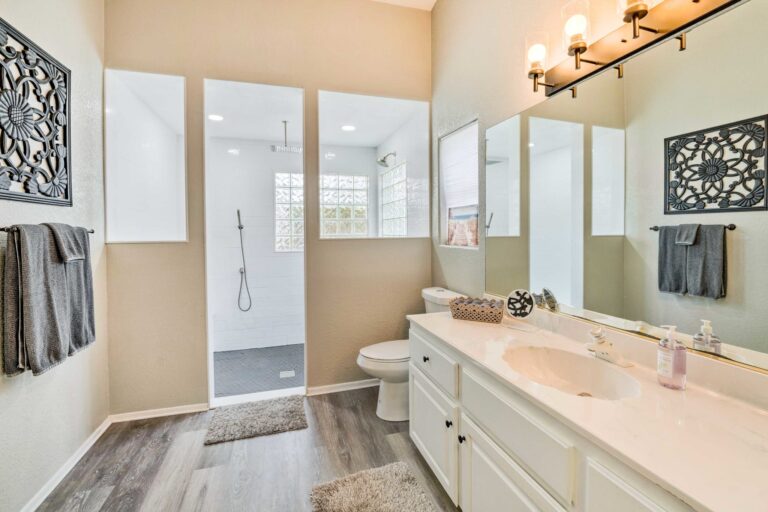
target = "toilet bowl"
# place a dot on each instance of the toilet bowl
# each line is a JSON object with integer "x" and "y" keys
{"x": 388, "y": 361}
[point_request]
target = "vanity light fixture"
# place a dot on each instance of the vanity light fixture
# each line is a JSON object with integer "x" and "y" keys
{"x": 537, "y": 44}
{"x": 216, "y": 118}
{"x": 576, "y": 30}
{"x": 635, "y": 10}
{"x": 672, "y": 19}
{"x": 348, "y": 128}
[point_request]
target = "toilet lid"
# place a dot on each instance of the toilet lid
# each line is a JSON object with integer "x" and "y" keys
{"x": 389, "y": 351}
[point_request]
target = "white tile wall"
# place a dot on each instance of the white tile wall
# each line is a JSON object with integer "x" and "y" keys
{"x": 246, "y": 181}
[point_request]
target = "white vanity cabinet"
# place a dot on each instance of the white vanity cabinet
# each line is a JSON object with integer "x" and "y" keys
{"x": 494, "y": 450}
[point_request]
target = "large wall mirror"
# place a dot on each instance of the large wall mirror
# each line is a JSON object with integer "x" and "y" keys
{"x": 585, "y": 180}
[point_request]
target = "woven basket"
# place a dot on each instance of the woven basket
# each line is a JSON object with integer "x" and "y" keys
{"x": 477, "y": 310}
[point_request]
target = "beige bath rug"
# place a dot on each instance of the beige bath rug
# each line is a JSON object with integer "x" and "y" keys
{"x": 390, "y": 488}
{"x": 256, "y": 419}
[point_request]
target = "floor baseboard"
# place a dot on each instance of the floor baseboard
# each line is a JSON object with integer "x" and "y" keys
{"x": 344, "y": 386}
{"x": 72, "y": 461}
{"x": 65, "y": 468}
{"x": 157, "y": 413}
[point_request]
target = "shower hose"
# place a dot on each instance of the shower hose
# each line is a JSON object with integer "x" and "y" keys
{"x": 243, "y": 273}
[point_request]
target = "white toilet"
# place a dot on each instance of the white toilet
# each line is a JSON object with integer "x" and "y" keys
{"x": 388, "y": 361}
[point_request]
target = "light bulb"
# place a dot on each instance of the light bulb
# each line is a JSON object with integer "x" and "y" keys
{"x": 536, "y": 54}
{"x": 575, "y": 27}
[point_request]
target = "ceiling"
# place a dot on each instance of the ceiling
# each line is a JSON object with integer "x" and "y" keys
{"x": 256, "y": 112}
{"x": 375, "y": 118}
{"x": 425, "y": 5}
{"x": 253, "y": 111}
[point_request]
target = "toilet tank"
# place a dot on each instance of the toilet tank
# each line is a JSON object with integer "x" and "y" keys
{"x": 436, "y": 299}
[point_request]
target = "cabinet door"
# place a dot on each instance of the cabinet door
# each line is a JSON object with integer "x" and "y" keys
{"x": 493, "y": 482}
{"x": 433, "y": 424}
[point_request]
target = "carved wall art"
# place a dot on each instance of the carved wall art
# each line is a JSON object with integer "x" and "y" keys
{"x": 35, "y": 163}
{"x": 717, "y": 169}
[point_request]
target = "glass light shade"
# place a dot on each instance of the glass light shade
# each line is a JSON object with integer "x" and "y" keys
{"x": 537, "y": 50}
{"x": 624, "y": 5}
{"x": 575, "y": 15}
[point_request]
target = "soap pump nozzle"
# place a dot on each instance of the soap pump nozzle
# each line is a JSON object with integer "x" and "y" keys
{"x": 670, "y": 338}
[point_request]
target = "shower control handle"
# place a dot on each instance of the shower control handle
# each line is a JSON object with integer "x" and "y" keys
{"x": 425, "y": 359}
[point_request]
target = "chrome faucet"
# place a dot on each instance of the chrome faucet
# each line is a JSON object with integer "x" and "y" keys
{"x": 604, "y": 349}
{"x": 546, "y": 300}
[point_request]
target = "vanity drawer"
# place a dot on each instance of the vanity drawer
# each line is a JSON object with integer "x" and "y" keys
{"x": 548, "y": 457}
{"x": 443, "y": 370}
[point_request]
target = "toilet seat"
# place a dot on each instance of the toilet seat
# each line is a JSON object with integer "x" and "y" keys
{"x": 387, "y": 352}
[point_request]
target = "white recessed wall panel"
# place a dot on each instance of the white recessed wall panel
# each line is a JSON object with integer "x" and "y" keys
{"x": 607, "y": 181}
{"x": 145, "y": 158}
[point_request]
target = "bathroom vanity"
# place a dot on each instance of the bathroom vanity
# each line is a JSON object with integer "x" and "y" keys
{"x": 516, "y": 417}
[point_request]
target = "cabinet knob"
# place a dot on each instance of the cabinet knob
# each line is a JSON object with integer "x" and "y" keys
{"x": 448, "y": 423}
{"x": 462, "y": 439}
{"x": 425, "y": 358}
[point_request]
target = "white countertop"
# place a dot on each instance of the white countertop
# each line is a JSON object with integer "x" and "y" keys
{"x": 708, "y": 449}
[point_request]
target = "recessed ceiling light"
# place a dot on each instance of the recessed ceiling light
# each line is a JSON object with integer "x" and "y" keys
{"x": 233, "y": 151}
{"x": 348, "y": 128}
{"x": 216, "y": 117}
{"x": 330, "y": 156}
{"x": 531, "y": 144}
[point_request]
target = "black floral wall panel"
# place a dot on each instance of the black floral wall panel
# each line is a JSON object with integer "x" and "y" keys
{"x": 717, "y": 169}
{"x": 35, "y": 160}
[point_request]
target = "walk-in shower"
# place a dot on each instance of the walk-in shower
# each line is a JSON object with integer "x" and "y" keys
{"x": 254, "y": 179}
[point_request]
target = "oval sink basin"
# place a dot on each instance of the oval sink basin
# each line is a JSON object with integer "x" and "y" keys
{"x": 572, "y": 373}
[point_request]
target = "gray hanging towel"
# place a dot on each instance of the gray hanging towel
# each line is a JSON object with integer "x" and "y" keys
{"x": 73, "y": 246}
{"x": 671, "y": 262}
{"x": 686, "y": 234}
{"x": 707, "y": 263}
{"x": 71, "y": 242}
{"x": 36, "y": 304}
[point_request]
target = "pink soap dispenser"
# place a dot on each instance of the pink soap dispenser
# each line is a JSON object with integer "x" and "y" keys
{"x": 670, "y": 361}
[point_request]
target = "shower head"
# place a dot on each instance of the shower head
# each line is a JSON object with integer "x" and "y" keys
{"x": 383, "y": 160}
{"x": 285, "y": 148}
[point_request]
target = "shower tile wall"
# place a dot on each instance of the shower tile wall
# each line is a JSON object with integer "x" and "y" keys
{"x": 241, "y": 175}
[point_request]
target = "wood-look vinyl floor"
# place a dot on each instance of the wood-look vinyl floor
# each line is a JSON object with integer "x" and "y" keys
{"x": 161, "y": 464}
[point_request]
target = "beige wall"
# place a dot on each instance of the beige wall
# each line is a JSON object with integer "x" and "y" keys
{"x": 44, "y": 419}
{"x": 357, "y": 291}
{"x": 665, "y": 97}
{"x": 478, "y": 71}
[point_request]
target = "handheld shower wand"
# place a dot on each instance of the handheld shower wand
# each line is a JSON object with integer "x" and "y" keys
{"x": 243, "y": 271}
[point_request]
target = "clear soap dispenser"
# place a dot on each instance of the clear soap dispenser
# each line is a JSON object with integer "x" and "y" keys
{"x": 671, "y": 360}
{"x": 706, "y": 340}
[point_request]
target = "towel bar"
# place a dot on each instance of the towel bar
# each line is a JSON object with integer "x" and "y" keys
{"x": 8, "y": 229}
{"x": 729, "y": 227}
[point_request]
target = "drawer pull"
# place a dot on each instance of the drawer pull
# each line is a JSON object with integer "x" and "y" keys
{"x": 425, "y": 359}
{"x": 448, "y": 423}
{"x": 462, "y": 439}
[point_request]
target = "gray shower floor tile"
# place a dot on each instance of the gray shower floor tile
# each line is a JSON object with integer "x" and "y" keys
{"x": 238, "y": 372}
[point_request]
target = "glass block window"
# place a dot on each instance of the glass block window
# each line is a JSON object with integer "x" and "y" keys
{"x": 393, "y": 201}
{"x": 343, "y": 206}
{"x": 289, "y": 212}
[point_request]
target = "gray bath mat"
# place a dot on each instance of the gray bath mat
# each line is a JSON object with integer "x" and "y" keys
{"x": 390, "y": 488}
{"x": 256, "y": 419}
